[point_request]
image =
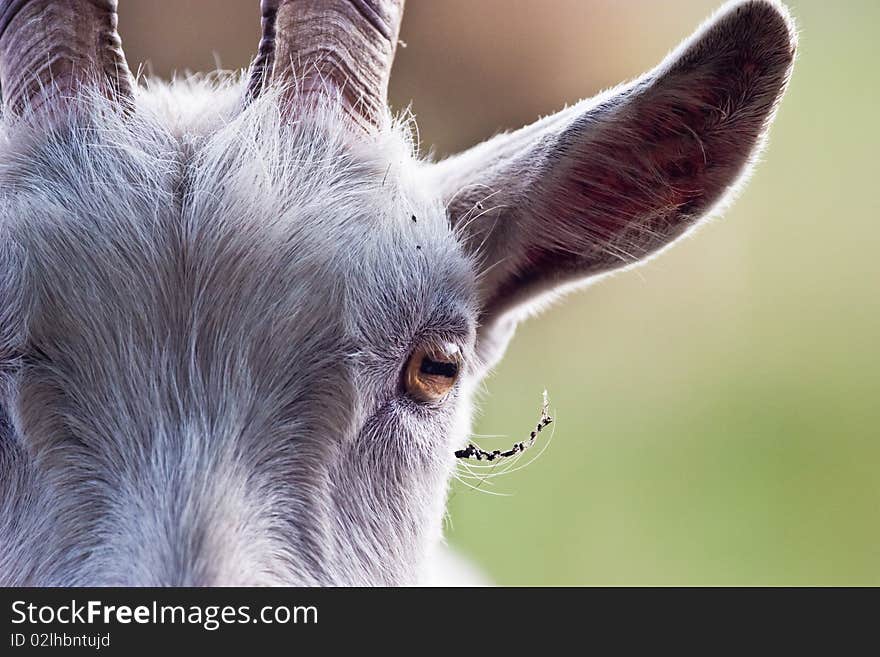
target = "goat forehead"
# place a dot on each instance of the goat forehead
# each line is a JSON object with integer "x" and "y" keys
{"x": 255, "y": 242}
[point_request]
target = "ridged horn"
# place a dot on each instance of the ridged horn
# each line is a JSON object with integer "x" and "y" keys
{"x": 343, "y": 47}
{"x": 48, "y": 49}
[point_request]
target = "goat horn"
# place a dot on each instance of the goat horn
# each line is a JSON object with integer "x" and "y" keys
{"x": 50, "y": 48}
{"x": 330, "y": 46}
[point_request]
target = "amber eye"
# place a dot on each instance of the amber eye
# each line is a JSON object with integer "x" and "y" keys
{"x": 431, "y": 372}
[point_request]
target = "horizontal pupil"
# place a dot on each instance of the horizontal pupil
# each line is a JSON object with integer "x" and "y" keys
{"x": 437, "y": 368}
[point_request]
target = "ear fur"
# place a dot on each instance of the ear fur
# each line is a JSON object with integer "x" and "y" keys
{"x": 611, "y": 180}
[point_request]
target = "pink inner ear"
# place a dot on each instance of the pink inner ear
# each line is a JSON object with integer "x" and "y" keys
{"x": 603, "y": 184}
{"x": 631, "y": 190}
{"x": 640, "y": 170}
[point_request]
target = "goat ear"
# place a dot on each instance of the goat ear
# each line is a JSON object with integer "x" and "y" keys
{"x": 609, "y": 181}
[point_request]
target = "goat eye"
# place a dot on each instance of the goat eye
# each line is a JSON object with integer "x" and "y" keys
{"x": 431, "y": 372}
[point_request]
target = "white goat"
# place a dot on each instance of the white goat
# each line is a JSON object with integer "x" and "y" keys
{"x": 240, "y": 322}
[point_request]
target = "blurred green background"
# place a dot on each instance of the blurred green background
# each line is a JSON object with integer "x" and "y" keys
{"x": 716, "y": 410}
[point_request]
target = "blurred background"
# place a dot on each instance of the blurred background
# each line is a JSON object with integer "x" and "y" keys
{"x": 717, "y": 410}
